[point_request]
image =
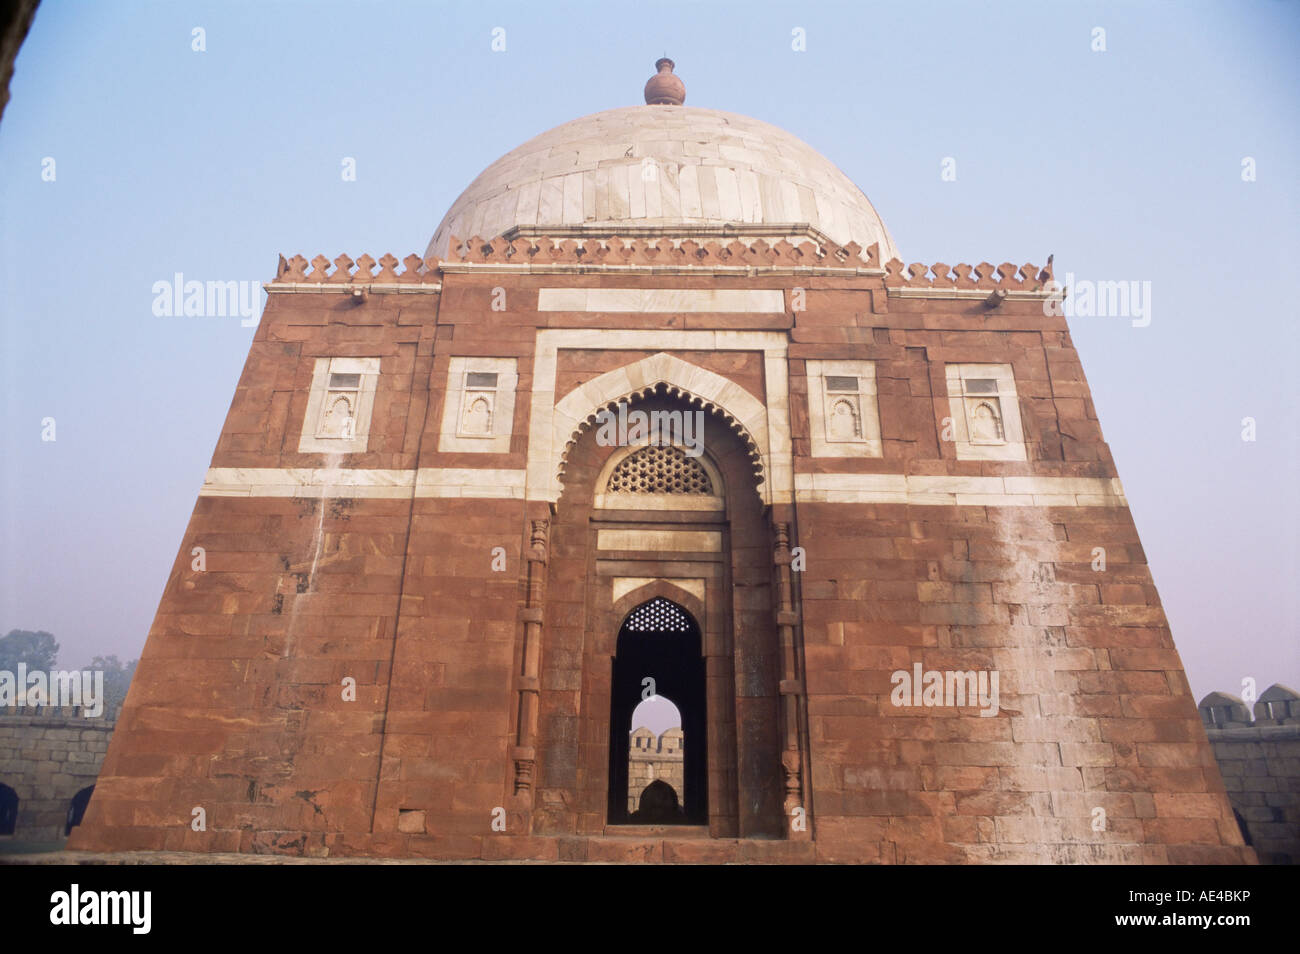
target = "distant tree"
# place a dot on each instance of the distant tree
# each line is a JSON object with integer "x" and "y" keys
{"x": 117, "y": 678}
{"x": 38, "y": 650}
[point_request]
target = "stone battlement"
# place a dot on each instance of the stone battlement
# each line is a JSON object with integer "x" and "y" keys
{"x": 663, "y": 251}
{"x": 50, "y": 715}
{"x": 654, "y": 758}
{"x": 1260, "y": 762}
{"x": 50, "y": 757}
{"x": 1025, "y": 278}
{"x": 644, "y": 744}
{"x": 1276, "y": 705}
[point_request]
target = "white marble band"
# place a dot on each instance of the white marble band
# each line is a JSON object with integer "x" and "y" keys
{"x": 375, "y": 484}
{"x": 809, "y": 488}
{"x": 960, "y": 491}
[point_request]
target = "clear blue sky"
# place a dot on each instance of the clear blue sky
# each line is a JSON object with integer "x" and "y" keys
{"x": 1126, "y": 164}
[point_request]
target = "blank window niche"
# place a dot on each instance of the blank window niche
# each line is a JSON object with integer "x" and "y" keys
{"x": 478, "y": 413}
{"x": 985, "y": 412}
{"x": 339, "y": 406}
{"x": 341, "y": 403}
{"x": 477, "y": 404}
{"x": 842, "y": 409}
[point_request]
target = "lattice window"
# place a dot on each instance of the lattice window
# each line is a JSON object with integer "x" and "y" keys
{"x": 660, "y": 470}
{"x": 658, "y": 616}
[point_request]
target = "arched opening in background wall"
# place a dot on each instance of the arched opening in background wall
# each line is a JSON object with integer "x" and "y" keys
{"x": 77, "y": 808}
{"x": 8, "y": 810}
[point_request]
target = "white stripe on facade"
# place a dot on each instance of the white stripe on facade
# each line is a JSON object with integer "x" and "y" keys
{"x": 917, "y": 490}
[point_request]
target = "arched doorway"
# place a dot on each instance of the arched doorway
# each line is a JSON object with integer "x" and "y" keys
{"x": 8, "y": 810}
{"x": 659, "y": 653}
{"x": 77, "y": 808}
{"x": 1244, "y": 829}
{"x": 684, "y": 522}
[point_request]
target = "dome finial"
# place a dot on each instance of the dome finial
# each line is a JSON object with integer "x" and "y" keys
{"x": 665, "y": 88}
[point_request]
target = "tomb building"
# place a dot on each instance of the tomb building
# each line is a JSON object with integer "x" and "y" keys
{"x": 432, "y": 589}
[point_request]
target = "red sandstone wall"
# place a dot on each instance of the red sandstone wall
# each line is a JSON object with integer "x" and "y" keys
{"x": 236, "y": 706}
{"x": 1096, "y": 711}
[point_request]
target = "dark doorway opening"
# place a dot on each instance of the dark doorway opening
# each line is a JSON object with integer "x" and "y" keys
{"x": 77, "y": 808}
{"x": 659, "y": 652}
{"x": 1241, "y": 824}
{"x": 8, "y": 810}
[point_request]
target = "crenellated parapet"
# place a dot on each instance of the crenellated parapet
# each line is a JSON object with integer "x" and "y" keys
{"x": 345, "y": 270}
{"x": 1276, "y": 705}
{"x": 583, "y": 251}
{"x": 55, "y": 716}
{"x": 665, "y": 251}
{"x": 984, "y": 276}
{"x": 644, "y": 744}
{"x": 1257, "y": 759}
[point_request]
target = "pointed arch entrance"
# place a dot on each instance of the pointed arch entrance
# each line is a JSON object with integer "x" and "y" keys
{"x": 659, "y": 652}
{"x": 685, "y": 524}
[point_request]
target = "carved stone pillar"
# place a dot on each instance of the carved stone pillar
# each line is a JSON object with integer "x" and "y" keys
{"x": 524, "y": 753}
{"x": 798, "y": 822}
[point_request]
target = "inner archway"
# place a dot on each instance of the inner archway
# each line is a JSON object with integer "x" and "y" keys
{"x": 8, "y": 810}
{"x": 659, "y": 653}
{"x": 77, "y": 808}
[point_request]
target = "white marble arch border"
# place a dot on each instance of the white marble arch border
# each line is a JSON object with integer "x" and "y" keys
{"x": 551, "y": 425}
{"x": 745, "y": 414}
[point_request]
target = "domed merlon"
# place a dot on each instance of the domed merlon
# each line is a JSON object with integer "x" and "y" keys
{"x": 646, "y": 166}
{"x": 665, "y": 89}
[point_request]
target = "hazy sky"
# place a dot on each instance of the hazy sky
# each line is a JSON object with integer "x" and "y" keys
{"x": 656, "y": 714}
{"x": 1127, "y": 164}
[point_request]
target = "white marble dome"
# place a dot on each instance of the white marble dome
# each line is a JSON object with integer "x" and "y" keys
{"x": 655, "y": 166}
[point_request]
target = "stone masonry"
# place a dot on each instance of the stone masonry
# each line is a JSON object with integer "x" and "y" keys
{"x": 408, "y": 635}
{"x": 652, "y": 758}
{"x": 1260, "y": 762}
{"x": 382, "y": 572}
{"x": 47, "y": 757}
